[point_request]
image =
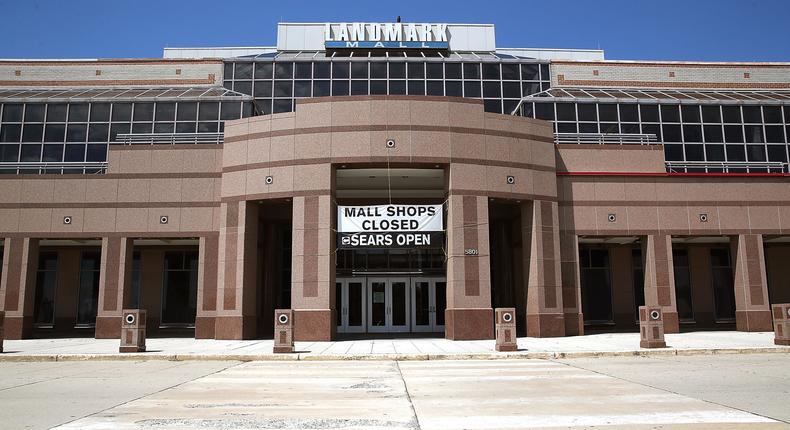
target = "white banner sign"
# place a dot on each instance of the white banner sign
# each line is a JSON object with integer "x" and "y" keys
{"x": 389, "y": 218}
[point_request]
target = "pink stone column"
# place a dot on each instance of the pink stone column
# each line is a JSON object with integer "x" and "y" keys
{"x": 752, "y": 307}
{"x": 313, "y": 268}
{"x": 468, "y": 314}
{"x": 115, "y": 280}
{"x": 205, "y": 318}
{"x": 541, "y": 244}
{"x": 236, "y": 281}
{"x": 18, "y": 286}
{"x": 571, "y": 284}
{"x": 660, "y": 278}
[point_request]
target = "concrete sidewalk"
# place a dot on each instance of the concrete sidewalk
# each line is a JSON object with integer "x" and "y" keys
{"x": 610, "y": 345}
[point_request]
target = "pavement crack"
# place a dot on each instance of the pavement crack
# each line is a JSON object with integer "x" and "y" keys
{"x": 408, "y": 396}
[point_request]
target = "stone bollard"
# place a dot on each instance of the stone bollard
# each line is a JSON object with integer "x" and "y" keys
{"x": 2, "y": 329}
{"x": 506, "y": 329}
{"x": 651, "y": 327}
{"x": 283, "y": 331}
{"x": 133, "y": 331}
{"x": 782, "y": 324}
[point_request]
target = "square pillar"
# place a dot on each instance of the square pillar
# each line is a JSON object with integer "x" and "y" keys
{"x": 660, "y": 278}
{"x": 313, "y": 268}
{"x": 208, "y": 256}
{"x": 468, "y": 315}
{"x": 236, "y": 308}
{"x": 571, "y": 284}
{"x": 752, "y": 307}
{"x": 541, "y": 256}
{"x": 18, "y": 285}
{"x": 115, "y": 278}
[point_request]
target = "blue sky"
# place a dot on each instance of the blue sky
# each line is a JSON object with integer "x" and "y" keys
{"x": 710, "y": 30}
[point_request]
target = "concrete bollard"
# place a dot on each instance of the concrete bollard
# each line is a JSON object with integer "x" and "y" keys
{"x": 133, "y": 331}
{"x": 782, "y": 324}
{"x": 283, "y": 331}
{"x": 651, "y": 327}
{"x": 505, "y": 329}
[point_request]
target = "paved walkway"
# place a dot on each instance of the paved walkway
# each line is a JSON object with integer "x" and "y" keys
{"x": 612, "y": 344}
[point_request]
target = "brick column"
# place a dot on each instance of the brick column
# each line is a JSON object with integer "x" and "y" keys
{"x": 468, "y": 314}
{"x": 571, "y": 284}
{"x": 115, "y": 278}
{"x": 18, "y": 286}
{"x": 313, "y": 268}
{"x": 752, "y": 307}
{"x": 205, "y": 319}
{"x": 660, "y": 278}
{"x": 541, "y": 244}
{"x": 236, "y": 283}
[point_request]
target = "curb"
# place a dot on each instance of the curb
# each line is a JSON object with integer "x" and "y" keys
{"x": 301, "y": 356}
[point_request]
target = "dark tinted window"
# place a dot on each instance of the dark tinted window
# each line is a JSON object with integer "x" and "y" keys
{"x": 359, "y": 70}
{"x": 12, "y": 113}
{"x": 122, "y": 112}
{"x": 690, "y": 113}
{"x": 304, "y": 70}
{"x": 752, "y": 114}
{"x": 243, "y": 71}
{"x": 510, "y": 71}
{"x": 322, "y": 69}
{"x": 34, "y": 112}
{"x": 629, "y": 113}
{"x": 143, "y": 111}
{"x": 397, "y": 70}
{"x": 490, "y": 71}
{"x": 340, "y": 70}
{"x": 587, "y": 112}
{"x": 530, "y": 72}
{"x": 670, "y": 113}
{"x": 54, "y": 133}
{"x": 78, "y": 112}
{"x": 649, "y": 113}
{"x": 208, "y": 111}
{"x": 472, "y": 89}
{"x": 772, "y": 114}
{"x": 711, "y": 114}
{"x": 378, "y": 70}
{"x": 452, "y": 71}
{"x": 415, "y": 70}
{"x": 283, "y": 70}
{"x": 164, "y": 111}
{"x": 187, "y": 111}
{"x": 263, "y": 70}
{"x": 731, "y": 113}
{"x": 471, "y": 71}
{"x": 566, "y": 112}
{"x": 10, "y": 132}
{"x": 56, "y": 112}
{"x": 607, "y": 112}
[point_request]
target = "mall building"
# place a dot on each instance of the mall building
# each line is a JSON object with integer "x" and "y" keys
{"x": 381, "y": 178}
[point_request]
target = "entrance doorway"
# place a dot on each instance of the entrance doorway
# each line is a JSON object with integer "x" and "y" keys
{"x": 390, "y": 304}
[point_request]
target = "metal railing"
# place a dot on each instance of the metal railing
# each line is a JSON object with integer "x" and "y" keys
{"x": 170, "y": 138}
{"x": 726, "y": 166}
{"x": 42, "y": 167}
{"x": 606, "y": 138}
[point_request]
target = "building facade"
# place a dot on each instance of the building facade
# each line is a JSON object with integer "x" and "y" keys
{"x": 215, "y": 185}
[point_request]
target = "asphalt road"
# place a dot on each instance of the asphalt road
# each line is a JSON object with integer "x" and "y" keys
{"x": 711, "y": 392}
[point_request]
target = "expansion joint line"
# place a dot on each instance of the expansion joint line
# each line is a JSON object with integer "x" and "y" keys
{"x": 408, "y": 396}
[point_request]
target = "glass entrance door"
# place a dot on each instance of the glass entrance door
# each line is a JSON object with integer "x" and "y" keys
{"x": 428, "y": 302}
{"x": 388, "y": 305}
{"x": 350, "y": 305}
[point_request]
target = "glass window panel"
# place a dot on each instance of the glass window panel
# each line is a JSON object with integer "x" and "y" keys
{"x": 74, "y": 153}
{"x": 397, "y": 87}
{"x": 30, "y": 153}
{"x": 632, "y": 128}
{"x": 544, "y": 111}
{"x": 359, "y": 87}
{"x": 320, "y": 88}
{"x": 187, "y": 111}
{"x": 755, "y": 152}
{"x": 732, "y": 114}
{"x": 378, "y": 87}
{"x": 492, "y": 105}
{"x": 711, "y": 114}
{"x": 694, "y": 152}
{"x": 566, "y": 112}
{"x": 228, "y": 71}
{"x": 32, "y": 132}
{"x": 629, "y": 113}
{"x": 530, "y": 72}
{"x": 452, "y": 71}
{"x": 649, "y": 113}
{"x": 163, "y": 127}
{"x": 52, "y": 153}
{"x": 54, "y": 132}
{"x": 670, "y": 113}
{"x": 492, "y": 89}
{"x": 262, "y": 89}
{"x": 692, "y": 133}
{"x": 283, "y": 88}
{"x": 544, "y": 72}
{"x": 397, "y": 70}
{"x": 34, "y": 112}
{"x": 435, "y": 88}
{"x": 736, "y": 153}
{"x": 303, "y": 70}
{"x": 302, "y": 88}
{"x": 417, "y": 88}
{"x": 283, "y": 70}
{"x": 116, "y": 129}
{"x": 713, "y": 133}
{"x": 587, "y": 112}
{"x": 12, "y": 112}
{"x": 733, "y": 133}
{"x": 9, "y": 153}
{"x": 690, "y": 113}
{"x": 510, "y": 71}
{"x": 610, "y": 127}
{"x": 78, "y": 112}
{"x": 491, "y": 71}
{"x": 472, "y": 89}
{"x": 453, "y": 88}
{"x": 588, "y": 127}
{"x": 378, "y": 70}
{"x": 434, "y": 71}
{"x": 340, "y": 88}
{"x": 774, "y": 134}
{"x": 754, "y": 133}
{"x": 263, "y": 70}
{"x": 772, "y": 114}
{"x": 340, "y": 70}
{"x": 244, "y": 87}
{"x": 359, "y": 70}
{"x": 416, "y": 70}
{"x": 143, "y": 111}
{"x": 207, "y": 111}
{"x": 714, "y": 152}
{"x": 165, "y": 111}
{"x": 653, "y": 129}
{"x": 10, "y": 132}
{"x": 98, "y": 132}
{"x": 752, "y": 114}
{"x": 671, "y": 133}
{"x": 322, "y": 69}
{"x": 76, "y": 132}
{"x": 142, "y": 127}
{"x": 122, "y": 112}
{"x": 56, "y": 112}
{"x": 777, "y": 153}
{"x": 230, "y": 110}
{"x": 181, "y": 127}
{"x": 606, "y": 111}
{"x": 207, "y": 127}
{"x": 282, "y": 105}
{"x": 673, "y": 152}
{"x": 471, "y": 71}
{"x": 511, "y": 90}
{"x": 567, "y": 127}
